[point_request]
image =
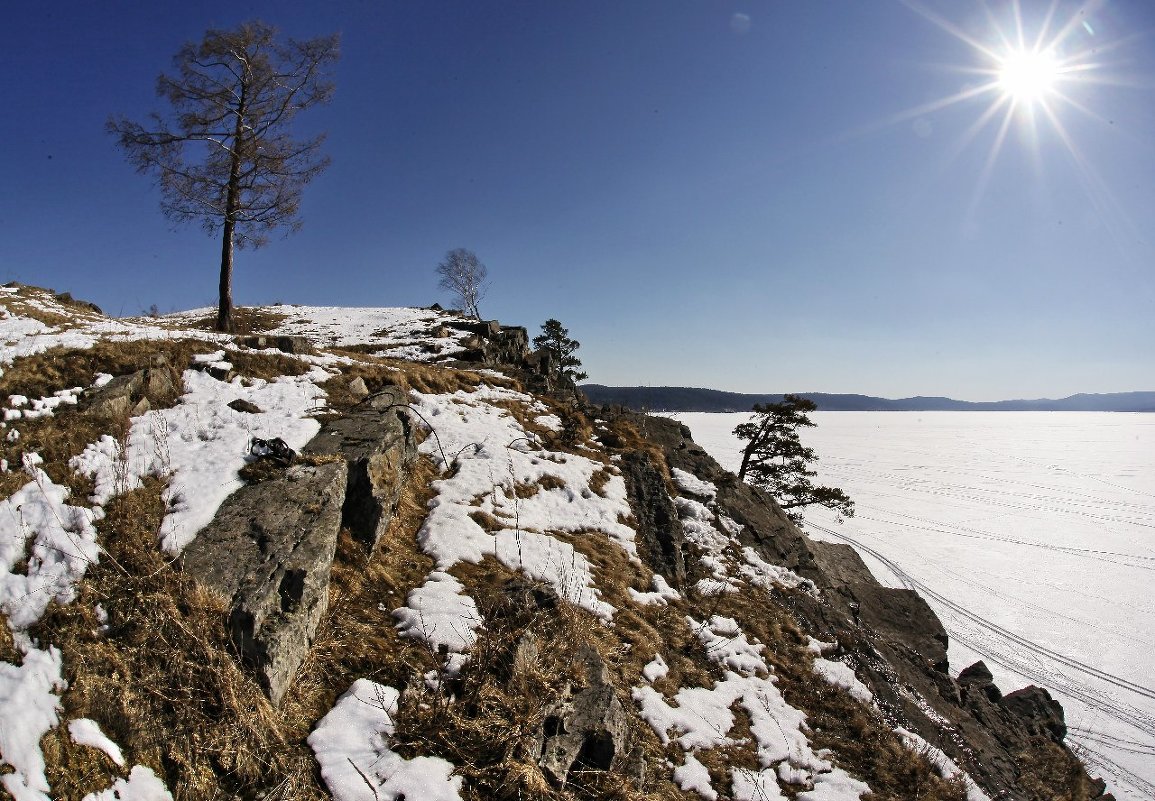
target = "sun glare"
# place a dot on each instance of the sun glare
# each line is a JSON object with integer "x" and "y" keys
{"x": 1034, "y": 66}
{"x": 1029, "y": 77}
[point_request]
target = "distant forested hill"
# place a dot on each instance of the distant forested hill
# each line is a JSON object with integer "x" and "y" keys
{"x": 690, "y": 399}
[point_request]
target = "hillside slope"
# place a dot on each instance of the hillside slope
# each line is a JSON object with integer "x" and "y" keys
{"x": 690, "y": 399}
{"x": 467, "y": 584}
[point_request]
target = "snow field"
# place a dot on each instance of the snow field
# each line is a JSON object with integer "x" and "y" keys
{"x": 398, "y": 333}
{"x": 1029, "y": 533}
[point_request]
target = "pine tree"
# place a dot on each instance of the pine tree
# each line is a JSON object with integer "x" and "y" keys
{"x": 775, "y": 460}
{"x": 555, "y": 339}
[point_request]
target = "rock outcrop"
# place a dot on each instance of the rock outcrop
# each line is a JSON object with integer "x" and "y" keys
{"x": 660, "y": 538}
{"x": 285, "y": 344}
{"x": 588, "y": 729}
{"x": 898, "y": 643}
{"x": 269, "y": 552}
{"x": 135, "y": 393}
{"x": 376, "y": 439}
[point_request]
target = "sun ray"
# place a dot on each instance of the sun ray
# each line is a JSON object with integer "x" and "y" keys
{"x": 950, "y": 28}
{"x": 1107, "y": 207}
{"x": 917, "y": 111}
{"x": 1033, "y": 63}
{"x": 970, "y": 134}
{"x": 1045, "y": 25}
{"x": 989, "y": 165}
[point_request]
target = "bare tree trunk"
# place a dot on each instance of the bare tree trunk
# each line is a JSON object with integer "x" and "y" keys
{"x": 225, "y": 304}
{"x": 225, "y": 322}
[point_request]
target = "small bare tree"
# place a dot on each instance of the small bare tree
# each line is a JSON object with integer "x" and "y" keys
{"x": 224, "y": 158}
{"x": 464, "y": 277}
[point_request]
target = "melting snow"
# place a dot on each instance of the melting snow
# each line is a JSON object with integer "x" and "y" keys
{"x": 202, "y": 443}
{"x": 142, "y": 785}
{"x": 701, "y": 718}
{"x": 840, "y": 675}
{"x": 352, "y": 746}
{"x": 493, "y": 455}
{"x": 85, "y": 731}
{"x": 48, "y": 542}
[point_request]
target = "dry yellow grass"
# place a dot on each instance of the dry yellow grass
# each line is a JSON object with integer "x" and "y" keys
{"x": 246, "y": 319}
{"x": 47, "y": 307}
{"x": 160, "y": 680}
{"x": 61, "y": 368}
{"x": 265, "y": 366}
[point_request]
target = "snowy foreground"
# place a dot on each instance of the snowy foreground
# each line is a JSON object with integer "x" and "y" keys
{"x": 1033, "y": 537}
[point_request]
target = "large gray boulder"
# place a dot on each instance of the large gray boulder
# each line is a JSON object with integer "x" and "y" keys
{"x": 269, "y": 551}
{"x": 377, "y": 442}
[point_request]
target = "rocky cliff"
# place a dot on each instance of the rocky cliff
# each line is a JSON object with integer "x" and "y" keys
{"x": 464, "y": 582}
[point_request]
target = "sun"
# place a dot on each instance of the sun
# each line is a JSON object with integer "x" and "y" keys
{"x": 1033, "y": 70}
{"x": 1027, "y": 76}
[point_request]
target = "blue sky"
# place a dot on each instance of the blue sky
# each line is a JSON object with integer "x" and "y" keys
{"x": 740, "y": 195}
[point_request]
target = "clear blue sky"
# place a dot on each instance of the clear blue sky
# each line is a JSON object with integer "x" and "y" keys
{"x": 740, "y": 195}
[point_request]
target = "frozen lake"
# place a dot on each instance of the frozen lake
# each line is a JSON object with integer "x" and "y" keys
{"x": 1032, "y": 534}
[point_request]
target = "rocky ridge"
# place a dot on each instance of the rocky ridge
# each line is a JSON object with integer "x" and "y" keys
{"x": 529, "y": 596}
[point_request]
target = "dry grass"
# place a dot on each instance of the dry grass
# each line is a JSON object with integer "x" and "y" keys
{"x": 61, "y": 368}
{"x": 526, "y": 656}
{"x": 246, "y": 320}
{"x": 57, "y": 439}
{"x": 599, "y": 480}
{"x": 66, "y": 433}
{"x": 164, "y": 683}
{"x": 161, "y": 680}
{"x": 358, "y": 639}
{"x": 265, "y": 366}
{"x": 622, "y": 436}
{"x": 30, "y": 301}
{"x": 1049, "y": 772}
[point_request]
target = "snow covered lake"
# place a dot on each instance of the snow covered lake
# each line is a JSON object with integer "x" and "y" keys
{"x": 1032, "y": 534}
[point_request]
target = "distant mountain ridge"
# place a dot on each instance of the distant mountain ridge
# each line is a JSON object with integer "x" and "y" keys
{"x": 692, "y": 399}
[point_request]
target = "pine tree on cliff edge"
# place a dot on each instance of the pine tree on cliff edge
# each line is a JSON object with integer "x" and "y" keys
{"x": 775, "y": 460}
{"x": 555, "y": 339}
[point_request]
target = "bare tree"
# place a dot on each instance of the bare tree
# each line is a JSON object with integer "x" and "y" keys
{"x": 224, "y": 157}
{"x": 464, "y": 277}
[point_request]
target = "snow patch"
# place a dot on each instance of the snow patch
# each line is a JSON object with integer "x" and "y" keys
{"x": 85, "y": 731}
{"x": 946, "y": 767}
{"x": 840, "y": 675}
{"x": 352, "y": 746}
{"x": 142, "y": 785}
